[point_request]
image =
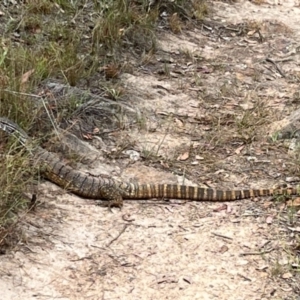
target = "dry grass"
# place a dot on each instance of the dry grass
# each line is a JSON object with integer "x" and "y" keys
{"x": 73, "y": 42}
{"x": 89, "y": 44}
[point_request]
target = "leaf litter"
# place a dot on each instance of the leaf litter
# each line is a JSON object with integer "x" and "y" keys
{"x": 222, "y": 95}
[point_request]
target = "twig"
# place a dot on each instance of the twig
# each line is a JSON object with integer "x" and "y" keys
{"x": 243, "y": 276}
{"x": 276, "y": 66}
{"x": 221, "y": 235}
{"x": 20, "y": 93}
{"x": 51, "y": 118}
{"x": 82, "y": 258}
{"x": 120, "y": 233}
{"x": 257, "y": 253}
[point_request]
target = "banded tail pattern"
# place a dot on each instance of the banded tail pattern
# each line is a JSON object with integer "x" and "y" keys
{"x": 174, "y": 191}
{"x": 93, "y": 187}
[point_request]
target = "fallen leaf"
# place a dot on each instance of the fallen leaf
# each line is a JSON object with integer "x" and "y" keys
{"x": 204, "y": 69}
{"x": 220, "y": 208}
{"x": 183, "y": 156}
{"x": 26, "y": 76}
{"x": 229, "y": 209}
{"x": 235, "y": 220}
{"x": 96, "y": 130}
{"x": 283, "y": 262}
{"x": 269, "y": 220}
{"x": 268, "y": 204}
{"x": 287, "y": 275}
{"x": 223, "y": 249}
{"x": 220, "y": 171}
{"x": 164, "y": 164}
{"x": 179, "y": 123}
{"x": 239, "y": 76}
{"x": 250, "y": 33}
{"x": 242, "y": 262}
{"x": 239, "y": 149}
{"x": 199, "y": 157}
{"x": 294, "y": 229}
{"x": 88, "y": 136}
{"x": 174, "y": 75}
{"x": 292, "y": 179}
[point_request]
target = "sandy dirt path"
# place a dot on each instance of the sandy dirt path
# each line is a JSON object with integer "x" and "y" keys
{"x": 73, "y": 249}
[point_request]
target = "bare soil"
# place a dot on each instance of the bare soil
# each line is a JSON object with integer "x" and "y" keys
{"x": 207, "y": 100}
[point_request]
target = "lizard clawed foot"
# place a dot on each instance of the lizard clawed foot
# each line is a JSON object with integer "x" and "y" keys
{"x": 115, "y": 203}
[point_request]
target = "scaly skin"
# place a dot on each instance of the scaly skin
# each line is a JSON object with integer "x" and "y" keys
{"x": 88, "y": 186}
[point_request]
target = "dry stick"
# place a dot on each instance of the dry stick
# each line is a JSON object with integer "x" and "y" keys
{"x": 121, "y": 232}
{"x": 221, "y": 235}
{"x": 257, "y": 253}
{"x": 243, "y": 276}
{"x": 276, "y": 66}
{"x": 22, "y": 94}
{"x": 51, "y": 117}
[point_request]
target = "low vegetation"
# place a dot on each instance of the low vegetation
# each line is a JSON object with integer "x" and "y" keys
{"x": 76, "y": 43}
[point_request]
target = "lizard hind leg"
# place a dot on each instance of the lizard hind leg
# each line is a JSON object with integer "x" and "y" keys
{"x": 113, "y": 196}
